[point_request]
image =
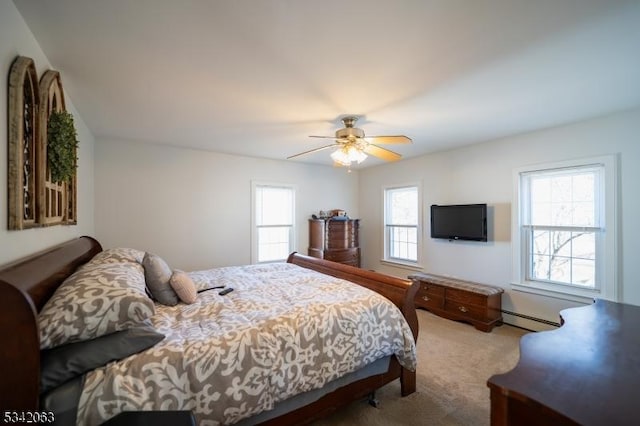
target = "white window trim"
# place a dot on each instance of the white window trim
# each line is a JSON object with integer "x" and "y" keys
{"x": 406, "y": 264}
{"x": 254, "y": 226}
{"x": 608, "y": 274}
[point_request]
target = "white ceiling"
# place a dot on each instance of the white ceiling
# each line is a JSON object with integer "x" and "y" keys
{"x": 256, "y": 77}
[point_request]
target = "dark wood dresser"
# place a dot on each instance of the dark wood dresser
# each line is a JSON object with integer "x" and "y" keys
{"x": 460, "y": 300}
{"x": 586, "y": 372}
{"x": 335, "y": 240}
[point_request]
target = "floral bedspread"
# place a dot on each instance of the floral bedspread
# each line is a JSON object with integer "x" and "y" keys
{"x": 283, "y": 330}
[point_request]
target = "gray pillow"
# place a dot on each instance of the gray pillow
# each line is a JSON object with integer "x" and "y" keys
{"x": 63, "y": 401}
{"x": 63, "y": 363}
{"x": 157, "y": 275}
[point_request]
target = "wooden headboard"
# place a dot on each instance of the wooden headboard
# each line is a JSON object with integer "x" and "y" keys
{"x": 25, "y": 286}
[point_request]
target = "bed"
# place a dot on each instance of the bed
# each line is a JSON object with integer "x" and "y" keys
{"x": 26, "y": 287}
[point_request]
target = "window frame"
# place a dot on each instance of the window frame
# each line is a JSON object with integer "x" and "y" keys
{"x": 606, "y": 285}
{"x": 255, "y": 185}
{"x": 386, "y": 258}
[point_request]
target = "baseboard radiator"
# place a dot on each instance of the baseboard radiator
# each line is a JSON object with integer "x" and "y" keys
{"x": 530, "y": 318}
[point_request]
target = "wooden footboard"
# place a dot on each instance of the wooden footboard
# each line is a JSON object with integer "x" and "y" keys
{"x": 401, "y": 292}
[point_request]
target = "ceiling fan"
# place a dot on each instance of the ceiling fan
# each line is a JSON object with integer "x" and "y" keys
{"x": 351, "y": 145}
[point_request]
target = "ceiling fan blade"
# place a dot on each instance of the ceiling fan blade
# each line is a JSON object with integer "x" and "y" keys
{"x": 312, "y": 150}
{"x": 338, "y": 140}
{"x": 389, "y": 139}
{"x": 342, "y": 140}
{"x": 382, "y": 153}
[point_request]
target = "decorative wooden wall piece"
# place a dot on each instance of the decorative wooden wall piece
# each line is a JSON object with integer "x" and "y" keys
{"x": 34, "y": 199}
{"x": 59, "y": 197}
{"x": 23, "y": 144}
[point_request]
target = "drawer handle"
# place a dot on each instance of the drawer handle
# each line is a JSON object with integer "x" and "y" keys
{"x": 425, "y": 298}
{"x": 426, "y": 288}
{"x": 462, "y": 309}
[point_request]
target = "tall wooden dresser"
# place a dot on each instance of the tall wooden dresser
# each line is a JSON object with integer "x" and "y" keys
{"x": 335, "y": 240}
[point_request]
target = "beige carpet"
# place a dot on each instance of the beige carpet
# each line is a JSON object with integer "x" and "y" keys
{"x": 454, "y": 362}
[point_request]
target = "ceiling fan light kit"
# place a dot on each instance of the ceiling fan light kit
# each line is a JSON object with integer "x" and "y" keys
{"x": 348, "y": 154}
{"x": 351, "y": 145}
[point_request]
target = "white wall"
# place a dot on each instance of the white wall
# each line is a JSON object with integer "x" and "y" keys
{"x": 15, "y": 40}
{"x": 483, "y": 174}
{"x": 193, "y": 208}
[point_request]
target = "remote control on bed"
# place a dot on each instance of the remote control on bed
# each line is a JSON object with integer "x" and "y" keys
{"x": 225, "y": 291}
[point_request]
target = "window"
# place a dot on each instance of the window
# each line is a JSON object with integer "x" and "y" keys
{"x": 565, "y": 236}
{"x": 274, "y": 222}
{"x": 401, "y": 213}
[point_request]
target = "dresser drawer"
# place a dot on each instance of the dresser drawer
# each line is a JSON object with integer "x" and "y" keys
{"x": 428, "y": 301}
{"x": 466, "y": 297}
{"x": 341, "y": 240}
{"x": 338, "y": 244}
{"x": 465, "y": 310}
{"x": 341, "y": 229}
{"x": 434, "y": 290}
{"x": 342, "y": 256}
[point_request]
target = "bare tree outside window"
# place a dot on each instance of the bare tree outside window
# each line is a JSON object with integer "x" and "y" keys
{"x": 564, "y": 229}
{"x": 563, "y": 222}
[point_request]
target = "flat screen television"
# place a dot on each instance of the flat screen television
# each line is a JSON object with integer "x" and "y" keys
{"x": 459, "y": 222}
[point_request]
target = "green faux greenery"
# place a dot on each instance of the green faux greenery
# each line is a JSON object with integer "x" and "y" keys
{"x": 62, "y": 142}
